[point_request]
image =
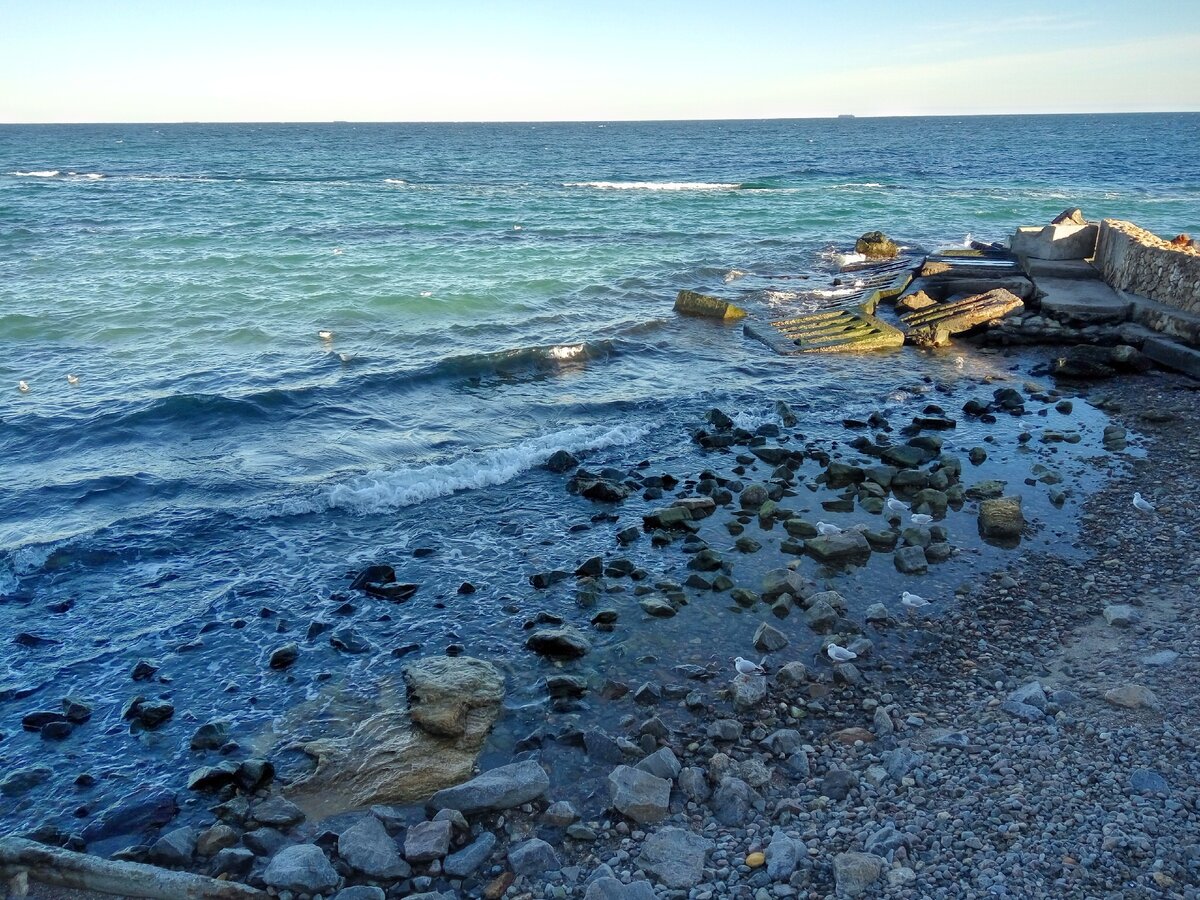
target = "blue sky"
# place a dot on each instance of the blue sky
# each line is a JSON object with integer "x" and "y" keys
{"x": 465, "y": 60}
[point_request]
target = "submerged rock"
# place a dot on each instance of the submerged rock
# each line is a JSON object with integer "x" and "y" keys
{"x": 445, "y": 692}
{"x": 1001, "y": 517}
{"x": 876, "y": 245}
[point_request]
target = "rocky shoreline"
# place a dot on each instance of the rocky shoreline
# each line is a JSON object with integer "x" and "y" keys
{"x": 1033, "y": 738}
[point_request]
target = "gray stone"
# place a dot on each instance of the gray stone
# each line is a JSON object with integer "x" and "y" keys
{"x": 748, "y": 690}
{"x": 853, "y": 873}
{"x": 661, "y": 762}
{"x": 820, "y": 616}
{"x": 532, "y": 858}
{"x": 607, "y": 887}
{"x": 302, "y": 868}
{"x": 877, "y": 612}
{"x": 732, "y": 801}
{"x": 361, "y": 892}
{"x": 427, "y": 841}
{"x": 884, "y": 841}
{"x": 901, "y": 761}
{"x": 639, "y": 795}
{"x": 500, "y": 788}
{"x": 768, "y": 638}
{"x": 1147, "y": 781}
{"x": 1001, "y": 518}
{"x": 469, "y": 859}
{"x": 264, "y": 841}
{"x": 1132, "y": 696}
{"x": 783, "y": 742}
{"x": 276, "y": 813}
{"x": 367, "y": 848}
{"x": 175, "y": 848}
{"x": 838, "y": 783}
{"x": 725, "y": 730}
{"x": 881, "y": 722}
{"x": 792, "y": 674}
{"x": 783, "y": 855}
{"x": 1023, "y": 711}
{"x": 1030, "y": 694}
{"x": 563, "y": 642}
{"x": 693, "y": 784}
{"x": 911, "y": 560}
{"x": 675, "y": 857}
{"x": 560, "y": 814}
{"x": 1120, "y": 615}
{"x": 1161, "y": 658}
{"x": 232, "y": 861}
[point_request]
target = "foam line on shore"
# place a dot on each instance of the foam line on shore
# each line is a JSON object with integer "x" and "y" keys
{"x": 410, "y": 485}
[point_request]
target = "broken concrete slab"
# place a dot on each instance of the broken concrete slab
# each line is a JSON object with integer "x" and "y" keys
{"x": 1074, "y": 269}
{"x": 690, "y": 303}
{"x": 1067, "y": 241}
{"x": 1082, "y": 302}
{"x": 934, "y": 326}
{"x": 834, "y": 331}
{"x": 1173, "y": 355}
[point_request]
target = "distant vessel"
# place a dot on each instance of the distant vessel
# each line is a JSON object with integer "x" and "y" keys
{"x": 846, "y": 116}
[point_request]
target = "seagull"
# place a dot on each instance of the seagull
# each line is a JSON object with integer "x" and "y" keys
{"x": 826, "y": 529}
{"x": 745, "y": 667}
{"x": 325, "y": 335}
{"x": 896, "y": 506}
{"x": 1138, "y": 502}
{"x": 913, "y": 601}
{"x": 72, "y": 379}
{"x": 22, "y": 387}
{"x": 337, "y": 251}
{"x": 840, "y": 654}
{"x": 920, "y": 519}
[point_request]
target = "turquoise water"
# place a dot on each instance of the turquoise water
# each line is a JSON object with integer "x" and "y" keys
{"x": 494, "y": 293}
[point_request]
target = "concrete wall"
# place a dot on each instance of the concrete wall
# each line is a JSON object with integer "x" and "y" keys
{"x": 1134, "y": 260}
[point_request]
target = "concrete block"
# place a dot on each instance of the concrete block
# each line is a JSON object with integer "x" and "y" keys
{"x": 1055, "y": 241}
{"x": 1173, "y": 355}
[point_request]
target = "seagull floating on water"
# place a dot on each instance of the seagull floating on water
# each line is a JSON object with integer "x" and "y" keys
{"x": 840, "y": 654}
{"x": 920, "y": 519}
{"x": 72, "y": 379}
{"x": 745, "y": 667}
{"x": 22, "y": 387}
{"x": 913, "y": 601}
{"x": 325, "y": 335}
{"x": 896, "y": 506}
{"x": 826, "y": 529}
{"x": 1138, "y": 501}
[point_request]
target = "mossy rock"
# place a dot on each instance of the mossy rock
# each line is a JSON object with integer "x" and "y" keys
{"x": 876, "y": 245}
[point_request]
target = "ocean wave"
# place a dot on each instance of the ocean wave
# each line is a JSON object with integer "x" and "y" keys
{"x": 654, "y": 185}
{"x": 48, "y": 173}
{"x": 394, "y": 181}
{"x": 410, "y": 485}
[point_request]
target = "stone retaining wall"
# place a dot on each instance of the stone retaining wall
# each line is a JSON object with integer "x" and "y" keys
{"x": 1133, "y": 259}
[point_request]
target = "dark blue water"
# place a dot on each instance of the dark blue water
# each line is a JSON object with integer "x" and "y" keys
{"x": 493, "y": 293}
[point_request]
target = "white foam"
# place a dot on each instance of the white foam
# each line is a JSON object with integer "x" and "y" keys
{"x": 407, "y": 486}
{"x": 394, "y": 181}
{"x": 48, "y": 173}
{"x": 857, "y": 184}
{"x": 752, "y": 421}
{"x": 8, "y": 580}
{"x": 653, "y": 185}
{"x": 86, "y": 176}
{"x": 567, "y": 351}
{"x": 733, "y": 275}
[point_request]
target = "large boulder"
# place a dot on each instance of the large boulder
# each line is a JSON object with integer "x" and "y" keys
{"x": 496, "y": 789}
{"x": 1001, "y": 518}
{"x": 366, "y": 847}
{"x": 876, "y": 245}
{"x": 445, "y": 693}
{"x": 563, "y": 642}
{"x": 406, "y": 750}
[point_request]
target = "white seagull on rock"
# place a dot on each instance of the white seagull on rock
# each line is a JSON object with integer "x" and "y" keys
{"x": 840, "y": 654}
{"x": 1138, "y": 502}
{"x": 826, "y": 529}
{"x": 913, "y": 601}
{"x": 745, "y": 667}
{"x": 920, "y": 519}
{"x": 896, "y": 506}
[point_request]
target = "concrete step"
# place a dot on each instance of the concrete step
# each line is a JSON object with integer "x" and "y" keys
{"x": 1173, "y": 355}
{"x": 830, "y": 331}
{"x": 934, "y": 325}
{"x": 1073, "y": 269}
{"x": 1082, "y": 302}
{"x": 1166, "y": 320}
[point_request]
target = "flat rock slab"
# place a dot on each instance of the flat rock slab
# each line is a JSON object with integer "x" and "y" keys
{"x": 829, "y": 331}
{"x": 675, "y": 857}
{"x": 934, "y": 326}
{"x": 690, "y": 303}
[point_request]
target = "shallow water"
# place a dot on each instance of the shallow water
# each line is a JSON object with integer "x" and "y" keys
{"x": 494, "y": 293}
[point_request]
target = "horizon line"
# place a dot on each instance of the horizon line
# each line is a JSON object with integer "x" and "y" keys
{"x": 833, "y": 117}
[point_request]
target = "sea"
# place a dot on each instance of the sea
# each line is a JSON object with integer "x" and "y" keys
{"x": 261, "y": 357}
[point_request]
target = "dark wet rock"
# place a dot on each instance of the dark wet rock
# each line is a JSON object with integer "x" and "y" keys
{"x": 876, "y": 245}
{"x": 216, "y": 838}
{"x": 143, "y": 808}
{"x": 563, "y": 687}
{"x": 367, "y": 848}
{"x": 657, "y": 606}
{"x": 348, "y": 640}
{"x": 361, "y": 892}
{"x": 143, "y": 671}
{"x": 213, "y": 778}
{"x": 1147, "y": 781}
{"x": 904, "y": 456}
{"x": 565, "y": 642}
{"x": 210, "y": 736}
{"x": 265, "y": 841}
{"x": 639, "y": 795}
{"x": 471, "y": 858}
{"x": 235, "y": 861}
{"x": 782, "y": 856}
{"x": 911, "y": 560}
{"x": 147, "y": 713}
{"x": 844, "y": 546}
{"x": 662, "y": 763}
{"x": 302, "y": 868}
{"x": 838, "y": 783}
{"x": 427, "y": 841}
{"x": 543, "y": 580}
{"x": 675, "y": 857}
{"x": 277, "y": 813}
{"x": 254, "y": 773}
{"x": 532, "y": 858}
{"x": 76, "y": 711}
{"x": 33, "y": 641}
{"x": 282, "y": 657}
{"x": 792, "y": 674}
{"x": 36, "y": 721}
{"x": 56, "y": 731}
{"x": 21, "y": 781}
{"x": 784, "y": 742}
{"x": 497, "y": 789}
{"x": 601, "y": 490}
{"x": 561, "y": 461}
{"x": 747, "y": 691}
